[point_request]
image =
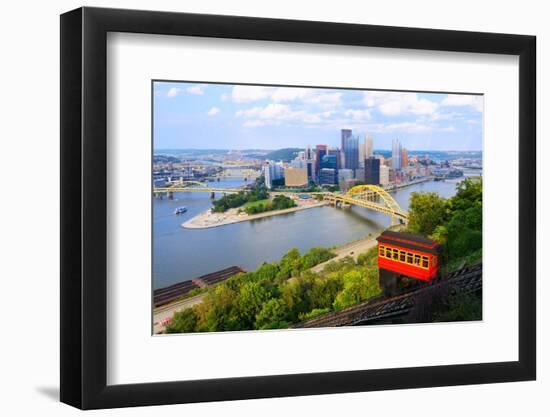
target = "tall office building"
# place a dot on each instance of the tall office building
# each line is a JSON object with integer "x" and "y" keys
{"x": 362, "y": 154}
{"x": 337, "y": 154}
{"x": 396, "y": 154}
{"x": 328, "y": 172}
{"x": 320, "y": 151}
{"x": 308, "y": 153}
{"x": 273, "y": 173}
{"x": 309, "y": 157}
{"x": 404, "y": 158}
{"x": 327, "y": 176}
{"x": 369, "y": 146}
{"x": 345, "y": 135}
{"x": 372, "y": 171}
{"x": 350, "y": 149}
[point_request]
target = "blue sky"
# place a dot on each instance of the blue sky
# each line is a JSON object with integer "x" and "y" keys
{"x": 226, "y": 116}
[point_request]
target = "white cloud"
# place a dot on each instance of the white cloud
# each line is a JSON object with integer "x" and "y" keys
{"x": 282, "y": 94}
{"x": 197, "y": 90}
{"x": 463, "y": 100}
{"x": 358, "y": 114}
{"x": 254, "y": 123}
{"x": 272, "y": 111}
{"x": 412, "y": 127}
{"x": 277, "y": 113}
{"x": 325, "y": 99}
{"x": 213, "y": 111}
{"x": 173, "y": 92}
{"x": 249, "y": 93}
{"x": 448, "y": 129}
{"x": 408, "y": 127}
{"x": 394, "y": 103}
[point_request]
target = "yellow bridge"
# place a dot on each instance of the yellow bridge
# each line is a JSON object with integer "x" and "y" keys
{"x": 371, "y": 197}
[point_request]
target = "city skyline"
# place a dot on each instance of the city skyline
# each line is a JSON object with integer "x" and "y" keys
{"x": 210, "y": 116}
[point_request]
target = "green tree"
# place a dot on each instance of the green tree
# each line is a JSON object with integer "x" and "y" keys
{"x": 426, "y": 212}
{"x": 290, "y": 264}
{"x": 273, "y": 315}
{"x": 294, "y": 293}
{"x": 468, "y": 193}
{"x": 251, "y": 298}
{"x": 315, "y": 256}
{"x": 316, "y": 312}
{"x": 324, "y": 291}
{"x": 183, "y": 322}
{"x": 358, "y": 286}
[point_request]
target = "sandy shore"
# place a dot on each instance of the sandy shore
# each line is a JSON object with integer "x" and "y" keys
{"x": 208, "y": 219}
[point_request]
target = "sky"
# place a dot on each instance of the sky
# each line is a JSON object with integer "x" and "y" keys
{"x": 228, "y": 116}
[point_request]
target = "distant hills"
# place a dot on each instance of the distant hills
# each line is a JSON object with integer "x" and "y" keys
{"x": 288, "y": 154}
{"x": 285, "y": 154}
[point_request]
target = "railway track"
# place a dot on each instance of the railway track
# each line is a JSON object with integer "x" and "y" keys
{"x": 466, "y": 280}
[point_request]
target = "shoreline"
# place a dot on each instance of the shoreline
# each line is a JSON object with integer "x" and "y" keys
{"x": 207, "y": 219}
{"x": 353, "y": 249}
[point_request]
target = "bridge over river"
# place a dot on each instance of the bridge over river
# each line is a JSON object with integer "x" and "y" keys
{"x": 368, "y": 196}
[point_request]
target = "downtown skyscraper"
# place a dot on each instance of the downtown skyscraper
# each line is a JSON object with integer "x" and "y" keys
{"x": 396, "y": 154}
{"x": 350, "y": 149}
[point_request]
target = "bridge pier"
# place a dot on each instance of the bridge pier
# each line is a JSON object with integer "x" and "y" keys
{"x": 212, "y": 195}
{"x": 170, "y": 196}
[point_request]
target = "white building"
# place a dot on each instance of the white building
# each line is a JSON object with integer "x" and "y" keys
{"x": 384, "y": 175}
{"x": 298, "y": 162}
{"x": 362, "y": 155}
{"x": 345, "y": 174}
{"x": 369, "y": 146}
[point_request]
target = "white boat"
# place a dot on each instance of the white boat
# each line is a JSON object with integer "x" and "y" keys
{"x": 180, "y": 210}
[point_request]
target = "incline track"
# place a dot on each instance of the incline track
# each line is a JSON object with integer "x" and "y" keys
{"x": 466, "y": 280}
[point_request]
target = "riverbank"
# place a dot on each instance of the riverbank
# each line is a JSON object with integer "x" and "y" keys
{"x": 409, "y": 184}
{"x": 208, "y": 219}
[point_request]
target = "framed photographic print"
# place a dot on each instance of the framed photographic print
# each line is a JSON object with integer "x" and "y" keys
{"x": 258, "y": 207}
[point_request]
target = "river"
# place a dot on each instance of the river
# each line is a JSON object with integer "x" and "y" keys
{"x": 181, "y": 254}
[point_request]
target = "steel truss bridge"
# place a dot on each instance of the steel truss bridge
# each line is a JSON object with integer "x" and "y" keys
{"x": 368, "y": 196}
{"x": 192, "y": 186}
{"x": 371, "y": 197}
{"x": 244, "y": 173}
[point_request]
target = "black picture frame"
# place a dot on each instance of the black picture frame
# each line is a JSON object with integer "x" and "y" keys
{"x": 84, "y": 207}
